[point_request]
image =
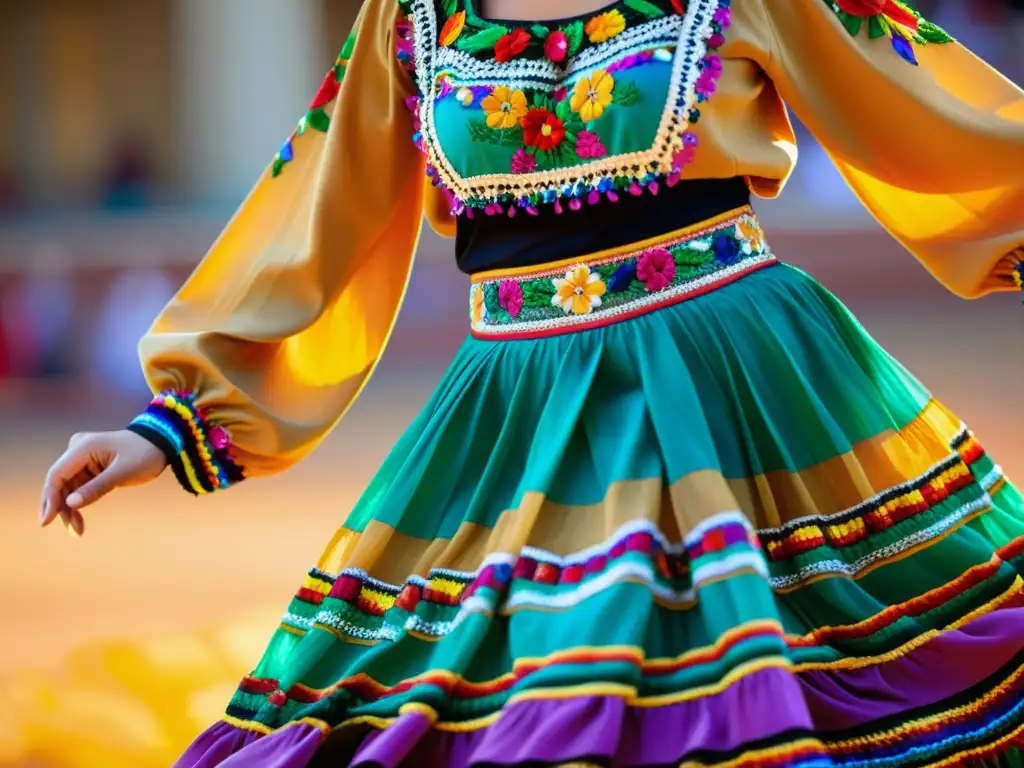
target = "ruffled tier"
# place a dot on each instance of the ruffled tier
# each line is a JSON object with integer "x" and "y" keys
{"x": 732, "y": 532}
{"x": 771, "y": 715}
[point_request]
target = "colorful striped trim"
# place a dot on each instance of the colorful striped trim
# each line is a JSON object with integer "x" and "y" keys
{"x": 924, "y": 508}
{"x": 199, "y": 453}
{"x": 978, "y": 721}
{"x": 355, "y": 605}
{"x": 611, "y": 286}
{"x": 763, "y": 634}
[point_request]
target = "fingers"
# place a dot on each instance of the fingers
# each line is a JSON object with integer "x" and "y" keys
{"x": 73, "y": 521}
{"x": 74, "y": 460}
{"x": 95, "y": 489}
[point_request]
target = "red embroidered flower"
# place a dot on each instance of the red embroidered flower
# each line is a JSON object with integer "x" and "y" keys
{"x": 679, "y": 7}
{"x": 328, "y": 91}
{"x": 887, "y": 8}
{"x": 511, "y": 45}
{"x": 541, "y": 129}
{"x": 656, "y": 268}
{"x": 556, "y": 46}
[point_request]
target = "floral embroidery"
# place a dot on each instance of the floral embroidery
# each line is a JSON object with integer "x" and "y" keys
{"x": 579, "y": 291}
{"x": 511, "y": 45}
{"x": 542, "y": 129}
{"x": 751, "y": 234}
{"x": 571, "y": 85}
{"x": 551, "y": 131}
{"x": 1018, "y": 273}
{"x": 556, "y": 46}
{"x": 478, "y": 310}
{"x": 682, "y": 265}
{"x": 510, "y": 297}
{"x": 523, "y": 162}
{"x": 894, "y": 19}
{"x": 592, "y": 95}
{"x": 605, "y": 26}
{"x": 316, "y": 117}
{"x": 655, "y": 269}
{"x": 504, "y": 107}
{"x": 486, "y": 39}
{"x": 589, "y": 145}
{"x": 453, "y": 28}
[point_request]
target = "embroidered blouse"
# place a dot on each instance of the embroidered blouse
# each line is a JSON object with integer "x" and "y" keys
{"x": 504, "y": 131}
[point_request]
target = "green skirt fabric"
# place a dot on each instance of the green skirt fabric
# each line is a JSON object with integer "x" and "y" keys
{"x": 733, "y": 531}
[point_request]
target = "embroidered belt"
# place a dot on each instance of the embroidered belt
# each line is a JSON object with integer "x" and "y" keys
{"x": 604, "y": 288}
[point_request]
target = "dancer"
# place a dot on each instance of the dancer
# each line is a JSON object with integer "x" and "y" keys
{"x": 670, "y": 505}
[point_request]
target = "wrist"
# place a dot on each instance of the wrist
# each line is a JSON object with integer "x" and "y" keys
{"x": 198, "y": 451}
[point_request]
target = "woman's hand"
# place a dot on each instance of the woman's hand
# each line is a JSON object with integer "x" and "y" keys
{"x": 94, "y": 464}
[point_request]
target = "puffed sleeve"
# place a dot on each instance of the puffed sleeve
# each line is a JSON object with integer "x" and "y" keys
{"x": 280, "y": 326}
{"x": 929, "y": 137}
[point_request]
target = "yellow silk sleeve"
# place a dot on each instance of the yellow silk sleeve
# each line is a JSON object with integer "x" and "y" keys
{"x": 275, "y": 333}
{"x": 934, "y": 150}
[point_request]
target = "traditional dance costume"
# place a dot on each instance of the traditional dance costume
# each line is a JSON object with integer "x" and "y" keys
{"x": 670, "y": 504}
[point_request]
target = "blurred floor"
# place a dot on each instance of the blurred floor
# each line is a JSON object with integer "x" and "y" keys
{"x": 155, "y": 562}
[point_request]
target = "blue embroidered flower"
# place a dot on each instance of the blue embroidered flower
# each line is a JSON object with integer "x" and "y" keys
{"x": 623, "y": 277}
{"x": 726, "y": 248}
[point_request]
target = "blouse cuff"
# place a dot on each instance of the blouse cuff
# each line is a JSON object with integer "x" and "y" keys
{"x": 199, "y": 452}
{"x": 1017, "y": 272}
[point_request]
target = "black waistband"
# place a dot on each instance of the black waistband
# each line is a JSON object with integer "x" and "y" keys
{"x": 500, "y": 242}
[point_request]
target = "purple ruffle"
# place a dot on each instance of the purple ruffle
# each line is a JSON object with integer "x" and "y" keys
{"x": 227, "y": 746}
{"x": 763, "y": 704}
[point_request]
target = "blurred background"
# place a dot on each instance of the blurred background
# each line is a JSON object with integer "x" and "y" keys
{"x": 129, "y": 131}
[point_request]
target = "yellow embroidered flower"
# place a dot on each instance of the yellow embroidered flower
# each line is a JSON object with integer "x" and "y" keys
{"x": 592, "y": 95}
{"x": 579, "y": 291}
{"x": 752, "y": 234}
{"x": 605, "y": 26}
{"x": 478, "y": 309}
{"x": 504, "y": 107}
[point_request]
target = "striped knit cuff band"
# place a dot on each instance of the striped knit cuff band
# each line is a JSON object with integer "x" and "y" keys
{"x": 198, "y": 452}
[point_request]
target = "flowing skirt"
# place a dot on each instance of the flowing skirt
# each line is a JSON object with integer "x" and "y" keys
{"x": 732, "y": 531}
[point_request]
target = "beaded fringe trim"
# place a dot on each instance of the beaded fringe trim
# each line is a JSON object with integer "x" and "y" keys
{"x": 577, "y": 295}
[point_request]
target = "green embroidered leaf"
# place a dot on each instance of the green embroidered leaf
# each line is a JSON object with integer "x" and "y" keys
{"x": 540, "y": 31}
{"x": 932, "y": 33}
{"x": 481, "y": 41}
{"x": 626, "y": 94}
{"x": 339, "y": 72}
{"x": 277, "y": 167}
{"x": 689, "y": 257}
{"x": 851, "y": 22}
{"x": 574, "y": 36}
{"x": 563, "y": 111}
{"x": 318, "y": 120}
{"x": 649, "y": 10}
{"x": 450, "y": 6}
{"x": 348, "y": 47}
{"x": 538, "y": 293}
{"x": 545, "y": 159}
{"x": 482, "y": 133}
{"x": 573, "y": 123}
{"x": 877, "y": 27}
{"x": 540, "y": 99}
{"x": 491, "y": 298}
